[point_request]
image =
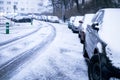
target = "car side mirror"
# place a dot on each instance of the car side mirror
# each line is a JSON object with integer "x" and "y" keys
{"x": 80, "y": 21}
{"x": 94, "y": 26}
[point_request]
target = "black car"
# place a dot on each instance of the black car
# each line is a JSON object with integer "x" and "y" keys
{"x": 22, "y": 19}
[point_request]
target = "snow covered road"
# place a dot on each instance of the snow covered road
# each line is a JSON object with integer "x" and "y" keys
{"x": 51, "y": 53}
{"x": 17, "y": 52}
{"x": 60, "y": 60}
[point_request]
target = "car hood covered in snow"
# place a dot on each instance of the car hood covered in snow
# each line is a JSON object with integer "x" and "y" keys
{"x": 110, "y": 33}
{"x": 112, "y": 38}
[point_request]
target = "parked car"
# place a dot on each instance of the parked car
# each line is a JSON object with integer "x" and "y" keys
{"x": 22, "y": 19}
{"x": 44, "y": 17}
{"x": 53, "y": 19}
{"x": 86, "y": 20}
{"x": 102, "y": 45}
{"x": 70, "y": 22}
{"x": 76, "y": 24}
{"x": 39, "y": 17}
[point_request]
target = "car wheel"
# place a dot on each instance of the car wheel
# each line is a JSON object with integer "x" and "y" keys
{"x": 82, "y": 38}
{"x": 81, "y": 41}
{"x": 97, "y": 70}
{"x": 85, "y": 52}
{"x": 79, "y": 36}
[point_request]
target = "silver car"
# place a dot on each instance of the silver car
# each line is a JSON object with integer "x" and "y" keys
{"x": 102, "y": 45}
{"x": 70, "y": 22}
{"x": 76, "y": 24}
{"x": 86, "y": 20}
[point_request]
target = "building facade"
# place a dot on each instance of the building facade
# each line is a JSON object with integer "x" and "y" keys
{"x": 25, "y": 6}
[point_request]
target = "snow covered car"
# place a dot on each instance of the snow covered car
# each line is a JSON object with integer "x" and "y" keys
{"x": 86, "y": 20}
{"x": 76, "y": 24}
{"x": 53, "y": 19}
{"x": 43, "y": 18}
{"x": 70, "y": 22}
{"x": 102, "y": 45}
{"x": 22, "y": 19}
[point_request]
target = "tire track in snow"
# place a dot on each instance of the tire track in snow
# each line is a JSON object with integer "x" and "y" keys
{"x": 9, "y": 68}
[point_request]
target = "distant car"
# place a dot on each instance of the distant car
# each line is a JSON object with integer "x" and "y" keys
{"x": 43, "y": 17}
{"x": 86, "y": 20}
{"x": 70, "y": 22}
{"x": 34, "y": 16}
{"x": 76, "y": 24}
{"x": 102, "y": 45}
{"x": 38, "y": 17}
{"x": 22, "y": 19}
{"x": 53, "y": 19}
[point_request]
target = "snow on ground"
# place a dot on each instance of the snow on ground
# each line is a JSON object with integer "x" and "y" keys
{"x": 17, "y": 30}
{"x": 11, "y": 50}
{"x": 61, "y": 60}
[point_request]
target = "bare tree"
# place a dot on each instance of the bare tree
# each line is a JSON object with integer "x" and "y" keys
{"x": 62, "y": 6}
{"x": 77, "y": 3}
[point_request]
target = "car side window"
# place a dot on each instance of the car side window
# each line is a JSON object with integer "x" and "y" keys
{"x": 98, "y": 17}
{"x": 95, "y": 17}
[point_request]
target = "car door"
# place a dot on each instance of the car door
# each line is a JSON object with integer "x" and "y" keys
{"x": 92, "y": 37}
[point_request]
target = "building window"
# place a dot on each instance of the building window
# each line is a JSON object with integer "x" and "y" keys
{"x": 1, "y": 9}
{"x": 7, "y": 8}
{"x": 40, "y": 4}
{"x": 1, "y": 2}
{"x": 16, "y": 3}
{"x": 22, "y": 9}
{"x": 39, "y": 9}
{"x": 9, "y": 2}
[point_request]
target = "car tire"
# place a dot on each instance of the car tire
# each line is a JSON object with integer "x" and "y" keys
{"x": 81, "y": 41}
{"x": 82, "y": 37}
{"x": 85, "y": 52}
{"x": 98, "y": 70}
{"x": 79, "y": 36}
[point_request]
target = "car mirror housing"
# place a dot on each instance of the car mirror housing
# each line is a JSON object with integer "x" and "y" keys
{"x": 94, "y": 26}
{"x": 80, "y": 21}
